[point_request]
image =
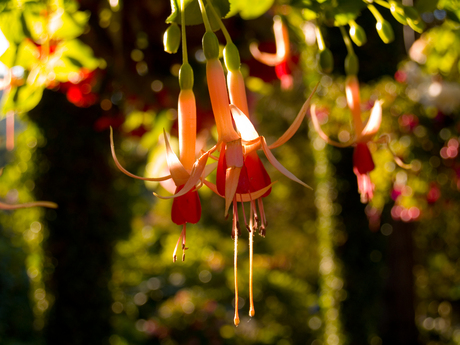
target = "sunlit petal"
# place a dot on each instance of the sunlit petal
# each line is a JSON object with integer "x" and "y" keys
{"x": 231, "y": 183}
{"x": 177, "y": 170}
{"x": 278, "y": 165}
{"x": 323, "y": 135}
{"x": 296, "y": 123}
{"x": 243, "y": 124}
{"x": 195, "y": 176}
{"x": 126, "y": 172}
{"x": 373, "y": 124}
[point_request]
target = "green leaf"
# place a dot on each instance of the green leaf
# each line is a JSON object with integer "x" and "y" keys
{"x": 73, "y": 25}
{"x": 34, "y": 20}
{"x": 79, "y": 54}
{"x": 347, "y": 10}
{"x": 27, "y": 54}
{"x": 251, "y": 9}
{"x": 193, "y": 13}
{"x": 23, "y": 98}
{"x": 11, "y": 24}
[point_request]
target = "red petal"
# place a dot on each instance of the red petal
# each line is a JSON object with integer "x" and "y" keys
{"x": 186, "y": 208}
{"x": 362, "y": 159}
{"x": 221, "y": 171}
{"x": 282, "y": 69}
{"x": 258, "y": 176}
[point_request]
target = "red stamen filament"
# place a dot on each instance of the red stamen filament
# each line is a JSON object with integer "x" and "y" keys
{"x": 251, "y": 259}
{"x": 181, "y": 236}
{"x": 236, "y": 319}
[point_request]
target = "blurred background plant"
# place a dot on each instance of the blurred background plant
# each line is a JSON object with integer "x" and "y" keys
{"x": 331, "y": 270}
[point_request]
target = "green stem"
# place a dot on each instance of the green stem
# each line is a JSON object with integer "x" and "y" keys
{"x": 184, "y": 39}
{"x": 221, "y": 24}
{"x": 205, "y": 16}
{"x": 376, "y": 13}
{"x": 319, "y": 39}
{"x": 382, "y": 3}
{"x": 347, "y": 41}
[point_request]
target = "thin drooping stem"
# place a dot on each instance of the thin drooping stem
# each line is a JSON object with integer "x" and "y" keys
{"x": 221, "y": 24}
{"x": 207, "y": 25}
{"x": 184, "y": 38}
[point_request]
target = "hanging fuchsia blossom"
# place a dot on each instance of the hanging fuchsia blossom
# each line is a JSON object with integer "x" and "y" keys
{"x": 363, "y": 163}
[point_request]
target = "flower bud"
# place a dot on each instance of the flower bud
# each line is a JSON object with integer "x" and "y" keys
{"x": 411, "y": 13}
{"x": 210, "y": 45}
{"x": 232, "y": 57}
{"x": 385, "y": 31}
{"x": 171, "y": 39}
{"x": 325, "y": 61}
{"x": 351, "y": 64}
{"x": 186, "y": 77}
{"x": 417, "y": 26}
{"x": 357, "y": 34}
{"x": 397, "y": 12}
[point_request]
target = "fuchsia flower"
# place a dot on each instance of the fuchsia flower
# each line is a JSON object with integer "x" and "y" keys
{"x": 281, "y": 59}
{"x": 241, "y": 176}
{"x": 363, "y": 163}
{"x": 185, "y": 172}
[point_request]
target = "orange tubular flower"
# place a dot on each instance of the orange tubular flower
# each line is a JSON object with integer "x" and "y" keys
{"x": 252, "y": 181}
{"x": 362, "y": 158}
{"x": 185, "y": 172}
{"x": 280, "y": 60}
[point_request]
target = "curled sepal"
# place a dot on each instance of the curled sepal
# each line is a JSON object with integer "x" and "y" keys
{"x": 372, "y": 125}
{"x": 126, "y": 172}
{"x": 49, "y": 204}
{"x": 295, "y": 124}
{"x": 195, "y": 176}
{"x": 316, "y": 125}
{"x": 271, "y": 158}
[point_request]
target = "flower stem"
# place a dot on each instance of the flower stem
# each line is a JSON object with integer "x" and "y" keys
{"x": 347, "y": 41}
{"x": 184, "y": 39}
{"x": 205, "y": 16}
{"x": 221, "y": 24}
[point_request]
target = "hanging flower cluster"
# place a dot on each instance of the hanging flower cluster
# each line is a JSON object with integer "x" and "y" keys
{"x": 240, "y": 174}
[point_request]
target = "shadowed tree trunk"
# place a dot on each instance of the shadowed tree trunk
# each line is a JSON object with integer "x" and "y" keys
{"x": 76, "y": 174}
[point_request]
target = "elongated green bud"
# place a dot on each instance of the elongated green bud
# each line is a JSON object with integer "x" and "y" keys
{"x": 171, "y": 39}
{"x": 397, "y": 11}
{"x": 411, "y": 13}
{"x": 186, "y": 77}
{"x": 357, "y": 34}
{"x": 325, "y": 61}
{"x": 351, "y": 64}
{"x": 232, "y": 57}
{"x": 210, "y": 45}
{"x": 385, "y": 31}
{"x": 417, "y": 26}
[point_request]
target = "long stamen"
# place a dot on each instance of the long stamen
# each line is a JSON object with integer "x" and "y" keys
{"x": 244, "y": 217}
{"x": 177, "y": 246}
{"x": 251, "y": 259}
{"x": 236, "y": 319}
{"x": 183, "y": 242}
{"x": 255, "y": 216}
{"x": 263, "y": 224}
